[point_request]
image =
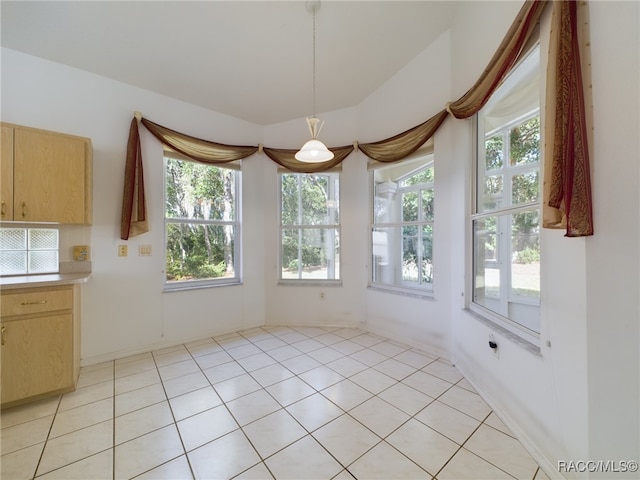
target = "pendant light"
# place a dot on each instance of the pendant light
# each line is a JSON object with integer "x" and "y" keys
{"x": 314, "y": 150}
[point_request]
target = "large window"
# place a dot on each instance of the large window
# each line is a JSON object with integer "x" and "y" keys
{"x": 505, "y": 223}
{"x": 310, "y": 227}
{"x": 402, "y": 227}
{"x": 202, "y": 224}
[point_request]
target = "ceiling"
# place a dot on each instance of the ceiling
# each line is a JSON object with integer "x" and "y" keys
{"x": 252, "y": 60}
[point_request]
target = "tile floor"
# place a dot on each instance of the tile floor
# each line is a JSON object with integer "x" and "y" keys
{"x": 271, "y": 402}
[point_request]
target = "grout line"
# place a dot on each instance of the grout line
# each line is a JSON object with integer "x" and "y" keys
{"x": 253, "y": 337}
{"x": 113, "y": 420}
{"x": 46, "y": 440}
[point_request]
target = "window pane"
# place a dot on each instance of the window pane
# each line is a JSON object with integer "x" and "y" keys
{"x": 525, "y": 142}
{"x": 486, "y": 268}
{"x": 410, "y": 206}
{"x": 492, "y": 199}
{"x": 507, "y": 275}
{"x": 199, "y": 191}
{"x": 13, "y": 263}
{"x": 43, "y": 239}
{"x": 427, "y": 254}
{"x": 427, "y": 204}
{"x": 525, "y": 254}
{"x": 411, "y": 266}
{"x": 43, "y": 261}
{"x": 410, "y": 262}
{"x": 290, "y": 200}
{"x": 422, "y": 176}
{"x": 310, "y": 199}
{"x": 13, "y": 238}
{"x": 494, "y": 152}
{"x": 310, "y": 253}
{"x": 525, "y": 188}
{"x": 196, "y": 251}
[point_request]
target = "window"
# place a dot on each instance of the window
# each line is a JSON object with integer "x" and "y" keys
{"x": 28, "y": 251}
{"x": 310, "y": 227}
{"x": 402, "y": 228}
{"x": 202, "y": 224}
{"x": 505, "y": 223}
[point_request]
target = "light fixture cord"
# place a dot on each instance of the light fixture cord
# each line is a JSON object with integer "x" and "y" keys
{"x": 314, "y": 60}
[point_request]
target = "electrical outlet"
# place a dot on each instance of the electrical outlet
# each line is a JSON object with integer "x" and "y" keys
{"x": 144, "y": 250}
{"x": 123, "y": 250}
{"x": 321, "y": 295}
{"x": 493, "y": 345}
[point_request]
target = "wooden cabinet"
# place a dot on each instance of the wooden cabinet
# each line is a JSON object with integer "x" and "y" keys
{"x": 46, "y": 176}
{"x": 40, "y": 342}
{"x": 6, "y": 173}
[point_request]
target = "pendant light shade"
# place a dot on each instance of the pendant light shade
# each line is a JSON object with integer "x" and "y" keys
{"x": 314, "y": 150}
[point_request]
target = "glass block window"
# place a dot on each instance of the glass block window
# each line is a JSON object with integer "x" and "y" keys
{"x": 28, "y": 250}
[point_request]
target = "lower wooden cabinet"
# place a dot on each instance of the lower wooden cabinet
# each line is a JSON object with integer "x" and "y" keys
{"x": 40, "y": 342}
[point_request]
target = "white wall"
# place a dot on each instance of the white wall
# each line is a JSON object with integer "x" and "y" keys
{"x": 577, "y": 400}
{"x": 124, "y": 309}
{"x": 613, "y": 279}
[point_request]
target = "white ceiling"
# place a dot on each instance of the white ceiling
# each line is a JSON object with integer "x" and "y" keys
{"x": 248, "y": 59}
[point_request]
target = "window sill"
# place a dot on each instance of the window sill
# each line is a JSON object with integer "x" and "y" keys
{"x": 424, "y": 295}
{"x": 309, "y": 283}
{"x": 185, "y": 286}
{"x": 529, "y": 346}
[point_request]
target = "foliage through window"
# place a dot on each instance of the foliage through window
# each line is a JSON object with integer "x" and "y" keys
{"x": 202, "y": 224}
{"x": 402, "y": 229}
{"x": 310, "y": 226}
{"x": 505, "y": 225}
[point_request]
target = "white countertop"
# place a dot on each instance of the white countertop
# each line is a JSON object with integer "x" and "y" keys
{"x": 46, "y": 280}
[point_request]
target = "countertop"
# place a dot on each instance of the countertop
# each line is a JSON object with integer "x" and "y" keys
{"x": 46, "y": 280}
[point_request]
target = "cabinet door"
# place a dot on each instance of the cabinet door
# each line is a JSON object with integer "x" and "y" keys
{"x": 36, "y": 356}
{"x": 6, "y": 173}
{"x": 49, "y": 177}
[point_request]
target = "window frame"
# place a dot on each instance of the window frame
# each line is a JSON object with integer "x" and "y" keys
{"x": 503, "y": 322}
{"x": 236, "y": 279}
{"x": 403, "y": 287}
{"x": 337, "y": 227}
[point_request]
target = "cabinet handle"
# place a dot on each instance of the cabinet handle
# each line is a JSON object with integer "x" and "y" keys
{"x": 43, "y": 302}
{"x": 3, "y": 211}
{"x": 24, "y": 209}
{"x": 2, "y": 334}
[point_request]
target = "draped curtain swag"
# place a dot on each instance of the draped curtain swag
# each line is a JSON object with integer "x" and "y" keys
{"x": 568, "y": 130}
{"x": 404, "y": 144}
{"x": 134, "y": 207}
{"x": 286, "y": 158}
{"x": 567, "y": 190}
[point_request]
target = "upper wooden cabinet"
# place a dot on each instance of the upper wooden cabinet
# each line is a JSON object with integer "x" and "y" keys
{"x": 46, "y": 176}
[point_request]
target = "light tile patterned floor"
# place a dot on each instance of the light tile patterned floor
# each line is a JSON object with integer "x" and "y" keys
{"x": 271, "y": 402}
